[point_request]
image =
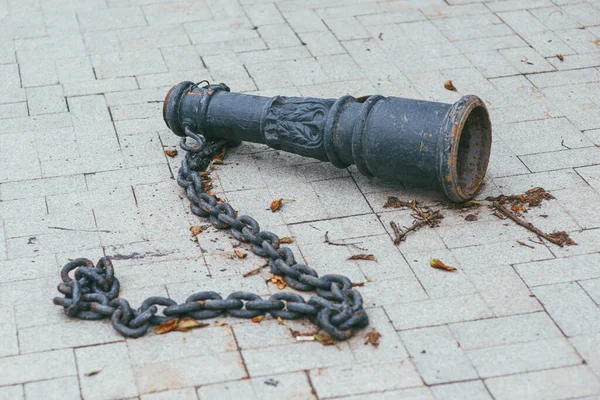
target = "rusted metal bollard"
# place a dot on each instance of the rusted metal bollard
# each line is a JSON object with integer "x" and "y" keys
{"x": 387, "y": 137}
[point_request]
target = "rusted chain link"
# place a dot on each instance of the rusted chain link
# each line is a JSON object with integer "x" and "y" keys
{"x": 92, "y": 293}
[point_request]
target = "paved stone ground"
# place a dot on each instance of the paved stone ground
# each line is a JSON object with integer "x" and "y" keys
{"x": 83, "y": 173}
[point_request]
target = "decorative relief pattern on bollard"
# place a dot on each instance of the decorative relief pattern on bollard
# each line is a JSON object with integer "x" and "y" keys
{"x": 387, "y": 137}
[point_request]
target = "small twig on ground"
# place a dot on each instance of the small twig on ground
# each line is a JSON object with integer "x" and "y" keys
{"x": 341, "y": 244}
{"x": 255, "y": 271}
{"x": 525, "y": 244}
{"x": 397, "y": 237}
{"x": 558, "y": 238}
{"x": 422, "y": 217}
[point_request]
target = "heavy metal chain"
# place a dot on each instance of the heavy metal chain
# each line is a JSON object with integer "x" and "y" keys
{"x": 92, "y": 293}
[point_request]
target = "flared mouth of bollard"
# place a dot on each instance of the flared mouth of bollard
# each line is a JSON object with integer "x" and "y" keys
{"x": 172, "y": 105}
{"x": 464, "y": 150}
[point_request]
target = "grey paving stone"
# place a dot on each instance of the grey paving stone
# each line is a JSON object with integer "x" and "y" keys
{"x": 14, "y": 392}
{"x": 8, "y": 333}
{"x": 269, "y": 388}
{"x": 523, "y": 357}
{"x": 562, "y": 270}
{"x": 56, "y": 389}
{"x": 550, "y": 384}
{"x": 461, "y": 390}
{"x": 37, "y": 366}
{"x": 192, "y": 371}
{"x": 113, "y": 65}
{"x": 504, "y": 331}
{"x": 503, "y": 290}
{"x": 115, "y": 377}
{"x": 437, "y": 355}
{"x": 176, "y": 394}
{"x": 587, "y": 346}
{"x": 363, "y": 378}
{"x": 198, "y": 342}
{"x": 298, "y": 356}
{"x": 437, "y": 311}
{"x": 558, "y": 301}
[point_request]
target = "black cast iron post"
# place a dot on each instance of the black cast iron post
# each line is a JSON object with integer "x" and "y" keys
{"x": 387, "y": 137}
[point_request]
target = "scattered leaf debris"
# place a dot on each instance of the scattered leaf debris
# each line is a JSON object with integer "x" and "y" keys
{"x": 324, "y": 339}
{"x": 439, "y": 264}
{"x": 526, "y": 61}
{"x": 240, "y": 253}
{"x": 196, "y": 230}
{"x": 258, "y": 319}
{"x": 276, "y": 205}
{"x": 220, "y": 323}
{"x": 92, "y": 373}
{"x": 519, "y": 202}
{"x": 271, "y": 382}
{"x": 340, "y": 244}
{"x": 286, "y": 240}
{"x": 166, "y": 327}
{"x": 560, "y": 57}
{"x": 559, "y": 238}
{"x": 179, "y": 325}
{"x": 372, "y": 338}
{"x": 525, "y": 244}
{"x": 187, "y": 324}
{"x": 255, "y": 270}
{"x": 422, "y": 215}
{"x": 171, "y": 152}
{"x": 471, "y": 217}
{"x": 278, "y": 281}
{"x": 448, "y": 85}
{"x": 297, "y": 334}
{"x": 217, "y": 159}
{"x": 358, "y": 284}
{"x": 281, "y": 321}
{"x": 368, "y": 257}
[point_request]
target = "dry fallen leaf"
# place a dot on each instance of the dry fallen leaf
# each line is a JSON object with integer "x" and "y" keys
{"x": 281, "y": 321}
{"x": 171, "y": 152}
{"x": 258, "y": 319}
{"x": 369, "y": 257}
{"x": 187, "y": 324}
{"x": 286, "y": 240}
{"x": 217, "y": 159}
{"x": 92, "y": 373}
{"x": 373, "y": 338}
{"x": 324, "y": 339}
{"x": 435, "y": 263}
{"x": 560, "y": 57}
{"x": 240, "y": 254}
{"x": 278, "y": 281}
{"x": 448, "y": 85}
{"x": 471, "y": 217}
{"x": 166, "y": 326}
{"x": 220, "y": 323}
{"x": 196, "y": 230}
{"x": 276, "y": 205}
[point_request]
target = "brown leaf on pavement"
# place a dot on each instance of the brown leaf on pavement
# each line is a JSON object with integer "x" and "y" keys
{"x": 240, "y": 254}
{"x": 368, "y": 257}
{"x": 448, "y": 85}
{"x": 278, "y": 281}
{"x": 439, "y": 264}
{"x": 373, "y": 338}
{"x": 167, "y": 326}
{"x": 276, "y": 205}
{"x": 324, "y": 339}
{"x": 196, "y": 230}
{"x": 171, "y": 152}
{"x": 258, "y": 319}
{"x": 286, "y": 240}
{"x": 560, "y": 57}
{"x": 187, "y": 324}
